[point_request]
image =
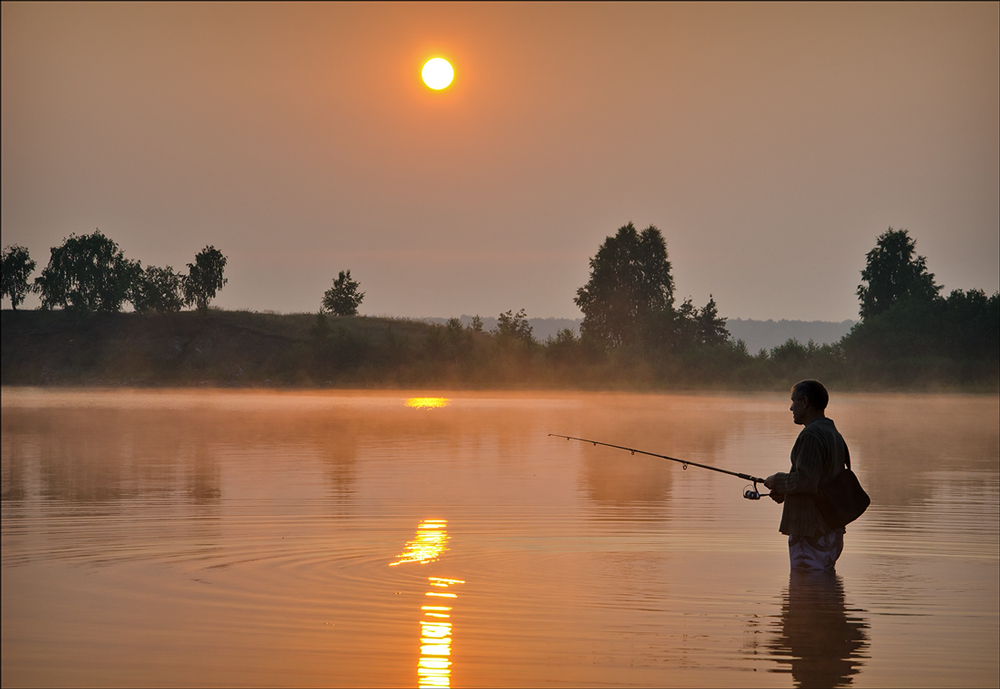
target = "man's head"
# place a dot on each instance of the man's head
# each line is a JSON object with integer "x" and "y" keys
{"x": 809, "y": 400}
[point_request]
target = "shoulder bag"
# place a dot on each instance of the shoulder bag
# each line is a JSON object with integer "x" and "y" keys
{"x": 842, "y": 499}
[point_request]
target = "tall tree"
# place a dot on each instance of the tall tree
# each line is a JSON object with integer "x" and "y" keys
{"x": 344, "y": 298}
{"x": 204, "y": 278}
{"x": 15, "y": 271}
{"x": 87, "y": 273}
{"x": 894, "y": 273}
{"x": 630, "y": 287}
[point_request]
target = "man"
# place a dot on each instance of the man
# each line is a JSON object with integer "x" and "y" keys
{"x": 819, "y": 454}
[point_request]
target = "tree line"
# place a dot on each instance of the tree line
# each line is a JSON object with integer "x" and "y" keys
{"x": 90, "y": 273}
{"x": 905, "y": 317}
{"x": 634, "y": 331}
{"x": 628, "y": 303}
{"x": 632, "y": 322}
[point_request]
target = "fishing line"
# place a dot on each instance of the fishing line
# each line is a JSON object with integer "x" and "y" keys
{"x": 750, "y": 493}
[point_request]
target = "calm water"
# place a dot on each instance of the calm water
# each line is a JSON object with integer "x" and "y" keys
{"x": 260, "y": 538}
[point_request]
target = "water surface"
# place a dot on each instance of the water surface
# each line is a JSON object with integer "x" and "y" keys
{"x": 315, "y": 538}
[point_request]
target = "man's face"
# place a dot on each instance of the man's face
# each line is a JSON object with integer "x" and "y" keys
{"x": 799, "y": 405}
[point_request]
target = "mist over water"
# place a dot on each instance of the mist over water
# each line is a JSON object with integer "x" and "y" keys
{"x": 436, "y": 539}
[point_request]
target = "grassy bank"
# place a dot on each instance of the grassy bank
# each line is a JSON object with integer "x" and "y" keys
{"x": 242, "y": 348}
{"x": 248, "y": 349}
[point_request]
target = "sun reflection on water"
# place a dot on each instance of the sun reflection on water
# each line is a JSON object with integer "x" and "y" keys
{"x": 427, "y": 402}
{"x": 434, "y": 666}
{"x": 431, "y": 540}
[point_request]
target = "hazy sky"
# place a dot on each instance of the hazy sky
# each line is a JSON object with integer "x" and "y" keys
{"x": 770, "y": 144}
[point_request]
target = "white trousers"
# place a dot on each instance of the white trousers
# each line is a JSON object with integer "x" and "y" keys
{"x": 816, "y": 553}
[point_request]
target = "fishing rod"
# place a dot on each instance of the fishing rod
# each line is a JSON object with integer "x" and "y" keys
{"x": 749, "y": 493}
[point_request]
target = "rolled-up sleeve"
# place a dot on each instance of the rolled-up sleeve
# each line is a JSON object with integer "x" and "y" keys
{"x": 807, "y": 468}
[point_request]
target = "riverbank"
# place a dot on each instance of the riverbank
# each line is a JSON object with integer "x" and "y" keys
{"x": 251, "y": 349}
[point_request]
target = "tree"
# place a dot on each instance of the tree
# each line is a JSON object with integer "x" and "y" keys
{"x": 158, "y": 289}
{"x": 565, "y": 347}
{"x": 204, "y": 278}
{"x": 16, "y": 269}
{"x": 893, "y": 274}
{"x": 88, "y": 273}
{"x": 343, "y": 299}
{"x": 630, "y": 287}
{"x": 972, "y": 325}
{"x": 514, "y": 326}
{"x": 711, "y": 329}
{"x": 963, "y": 327}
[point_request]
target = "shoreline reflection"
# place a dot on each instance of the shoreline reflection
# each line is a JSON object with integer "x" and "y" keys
{"x": 820, "y": 639}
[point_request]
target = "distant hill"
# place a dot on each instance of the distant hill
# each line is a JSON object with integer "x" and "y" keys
{"x": 768, "y": 334}
{"x": 757, "y": 334}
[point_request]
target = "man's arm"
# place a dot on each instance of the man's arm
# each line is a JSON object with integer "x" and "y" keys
{"x": 805, "y": 477}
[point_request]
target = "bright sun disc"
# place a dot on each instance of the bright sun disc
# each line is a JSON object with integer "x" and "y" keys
{"x": 437, "y": 73}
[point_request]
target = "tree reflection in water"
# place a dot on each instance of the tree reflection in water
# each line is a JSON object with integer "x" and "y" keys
{"x": 822, "y": 641}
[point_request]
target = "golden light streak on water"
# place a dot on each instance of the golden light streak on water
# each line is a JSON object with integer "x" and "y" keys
{"x": 431, "y": 540}
{"x": 434, "y": 666}
{"x": 427, "y": 402}
{"x": 428, "y": 608}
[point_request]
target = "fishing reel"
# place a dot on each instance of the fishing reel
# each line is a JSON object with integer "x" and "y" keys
{"x": 752, "y": 493}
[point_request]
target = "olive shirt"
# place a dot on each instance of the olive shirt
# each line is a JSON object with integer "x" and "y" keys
{"x": 819, "y": 454}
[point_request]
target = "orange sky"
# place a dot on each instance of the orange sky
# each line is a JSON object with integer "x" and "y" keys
{"x": 770, "y": 143}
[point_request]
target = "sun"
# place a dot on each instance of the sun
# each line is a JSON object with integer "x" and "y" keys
{"x": 437, "y": 73}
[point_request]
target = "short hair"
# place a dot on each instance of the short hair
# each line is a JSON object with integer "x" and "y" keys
{"x": 813, "y": 391}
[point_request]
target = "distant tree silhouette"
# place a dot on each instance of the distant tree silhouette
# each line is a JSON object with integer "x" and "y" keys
{"x": 204, "y": 278}
{"x": 343, "y": 299}
{"x": 963, "y": 327}
{"x": 565, "y": 348}
{"x": 87, "y": 273}
{"x": 476, "y": 324}
{"x": 904, "y": 317}
{"x": 894, "y": 273}
{"x": 973, "y": 324}
{"x": 630, "y": 289}
{"x": 16, "y": 269}
{"x": 711, "y": 328}
{"x": 514, "y": 326}
{"x": 682, "y": 327}
{"x": 157, "y": 289}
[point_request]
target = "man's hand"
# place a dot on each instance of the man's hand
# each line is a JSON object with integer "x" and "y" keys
{"x": 769, "y": 484}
